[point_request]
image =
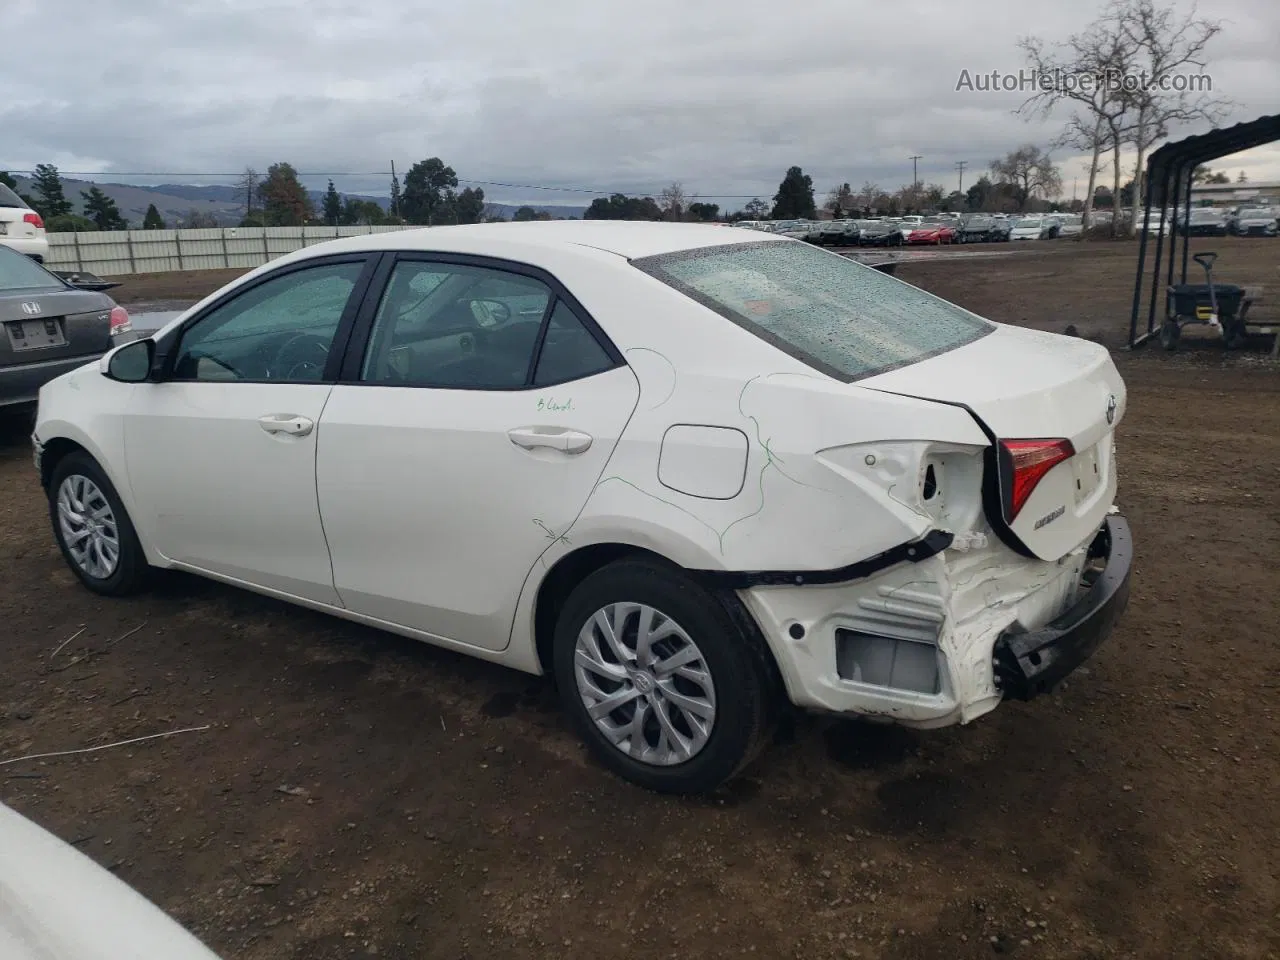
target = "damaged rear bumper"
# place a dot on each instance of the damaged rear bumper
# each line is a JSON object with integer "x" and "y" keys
{"x": 1028, "y": 663}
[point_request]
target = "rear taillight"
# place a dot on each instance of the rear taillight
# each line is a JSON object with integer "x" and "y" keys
{"x": 34, "y": 219}
{"x": 1024, "y": 464}
{"x": 120, "y": 321}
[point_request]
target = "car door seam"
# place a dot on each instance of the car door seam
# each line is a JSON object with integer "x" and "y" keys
{"x": 315, "y": 480}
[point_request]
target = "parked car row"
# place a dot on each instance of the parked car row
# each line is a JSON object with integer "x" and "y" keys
{"x": 917, "y": 230}
{"x": 1255, "y": 221}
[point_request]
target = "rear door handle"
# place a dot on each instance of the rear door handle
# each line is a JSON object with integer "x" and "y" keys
{"x": 554, "y": 438}
{"x": 287, "y": 423}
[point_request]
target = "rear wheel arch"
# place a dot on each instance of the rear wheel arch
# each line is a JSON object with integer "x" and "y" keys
{"x": 571, "y": 569}
{"x": 560, "y": 581}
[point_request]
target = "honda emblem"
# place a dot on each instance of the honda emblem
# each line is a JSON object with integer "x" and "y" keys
{"x": 31, "y": 308}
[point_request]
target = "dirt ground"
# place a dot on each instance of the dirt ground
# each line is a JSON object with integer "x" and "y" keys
{"x": 357, "y": 794}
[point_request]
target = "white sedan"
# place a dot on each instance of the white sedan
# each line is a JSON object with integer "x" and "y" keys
{"x": 691, "y": 472}
{"x": 1030, "y": 228}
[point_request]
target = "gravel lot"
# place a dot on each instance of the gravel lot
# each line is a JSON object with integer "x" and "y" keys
{"x": 359, "y": 795}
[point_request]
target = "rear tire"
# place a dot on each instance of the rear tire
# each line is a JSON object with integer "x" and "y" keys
{"x": 692, "y": 708}
{"x": 93, "y": 530}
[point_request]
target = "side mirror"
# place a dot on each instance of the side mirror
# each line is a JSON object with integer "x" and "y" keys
{"x": 129, "y": 363}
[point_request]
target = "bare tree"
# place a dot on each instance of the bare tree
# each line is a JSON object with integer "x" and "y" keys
{"x": 247, "y": 187}
{"x": 1165, "y": 44}
{"x": 1030, "y": 172}
{"x": 672, "y": 201}
{"x": 839, "y": 200}
{"x": 867, "y": 194}
{"x": 195, "y": 219}
{"x": 1096, "y": 125}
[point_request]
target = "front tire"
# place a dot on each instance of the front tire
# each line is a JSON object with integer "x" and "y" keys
{"x": 662, "y": 683}
{"x": 93, "y": 531}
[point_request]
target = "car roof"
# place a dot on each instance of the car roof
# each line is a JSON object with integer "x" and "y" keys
{"x": 626, "y": 238}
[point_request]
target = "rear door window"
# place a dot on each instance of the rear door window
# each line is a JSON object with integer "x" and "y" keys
{"x": 10, "y": 199}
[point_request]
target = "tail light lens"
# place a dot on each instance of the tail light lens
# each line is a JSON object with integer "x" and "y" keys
{"x": 1024, "y": 464}
{"x": 120, "y": 321}
{"x": 34, "y": 219}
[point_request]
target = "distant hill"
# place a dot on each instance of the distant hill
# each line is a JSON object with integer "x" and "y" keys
{"x": 225, "y": 203}
{"x": 133, "y": 201}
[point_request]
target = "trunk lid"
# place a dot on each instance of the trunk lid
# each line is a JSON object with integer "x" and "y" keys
{"x": 1026, "y": 385}
{"x": 53, "y": 324}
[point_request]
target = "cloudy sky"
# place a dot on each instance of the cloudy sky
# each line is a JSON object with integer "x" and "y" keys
{"x": 721, "y": 95}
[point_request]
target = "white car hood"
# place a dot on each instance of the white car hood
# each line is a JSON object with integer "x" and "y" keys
{"x": 57, "y": 904}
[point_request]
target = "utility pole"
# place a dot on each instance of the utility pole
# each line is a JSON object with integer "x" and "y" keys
{"x": 394, "y": 204}
{"x": 960, "y": 165}
{"x": 915, "y": 176}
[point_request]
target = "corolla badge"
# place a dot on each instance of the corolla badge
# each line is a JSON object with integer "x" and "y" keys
{"x": 31, "y": 308}
{"x": 1111, "y": 409}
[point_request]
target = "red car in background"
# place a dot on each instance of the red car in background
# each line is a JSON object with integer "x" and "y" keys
{"x": 933, "y": 233}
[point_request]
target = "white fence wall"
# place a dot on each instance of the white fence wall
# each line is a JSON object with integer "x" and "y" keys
{"x": 116, "y": 252}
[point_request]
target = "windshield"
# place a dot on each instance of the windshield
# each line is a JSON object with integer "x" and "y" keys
{"x": 1256, "y": 213}
{"x": 1029, "y": 222}
{"x": 1205, "y": 215}
{"x": 18, "y": 272}
{"x": 837, "y": 316}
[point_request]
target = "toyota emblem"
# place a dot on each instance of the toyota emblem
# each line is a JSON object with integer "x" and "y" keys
{"x": 1111, "y": 409}
{"x": 31, "y": 308}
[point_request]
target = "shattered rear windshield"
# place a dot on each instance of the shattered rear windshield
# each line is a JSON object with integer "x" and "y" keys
{"x": 845, "y": 319}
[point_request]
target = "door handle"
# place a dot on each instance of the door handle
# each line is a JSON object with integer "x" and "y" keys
{"x": 286, "y": 423}
{"x": 554, "y": 438}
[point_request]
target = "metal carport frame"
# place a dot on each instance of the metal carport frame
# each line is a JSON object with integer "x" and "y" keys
{"x": 1169, "y": 172}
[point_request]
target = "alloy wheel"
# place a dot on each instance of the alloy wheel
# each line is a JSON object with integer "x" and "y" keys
{"x": 645, "y": 684}
{"x": 88, "y": 527}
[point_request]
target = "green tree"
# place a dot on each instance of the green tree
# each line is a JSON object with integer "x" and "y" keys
{"x": 703, "y": 211}
{"x": 425, "y": 199}
{"x": 357, "y": 212}
{"x": 152, "y": 219}
{"x": 756, "y": 209}
{"x": 8, "y": 180}
{"x": 468, "y": 206}
{"x": 48, "y": 185}
{"x": 69, "y": 223}
{"x": 794, "y": 199}
{"x": 253, "y": 219}
{"x": 394, "y": 208}
{"x": 285, "y": 202}
{"x": 331, "y": 209}
{"x": 102, "y": 210}
{"x": 980, "y": 192}
{"x": 619, "y": 206}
